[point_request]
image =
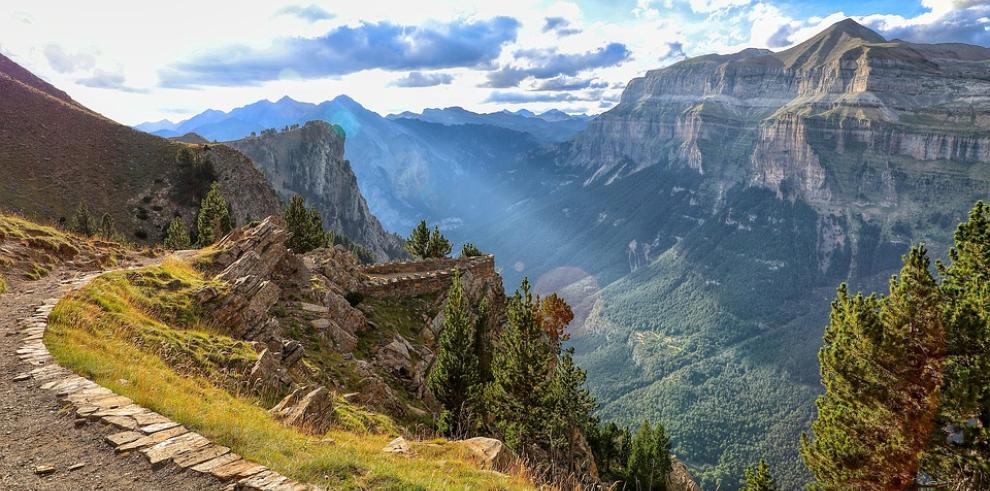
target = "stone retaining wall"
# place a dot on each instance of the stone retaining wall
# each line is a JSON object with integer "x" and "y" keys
{"x": 160, "y": 440}
{"x": 412, "y": 278}
{"x": 427, "y": 265}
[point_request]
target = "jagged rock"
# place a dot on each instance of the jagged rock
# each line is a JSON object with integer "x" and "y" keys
{"x": 396, "y": 357}
{"x": 398, "y": 446}
{"x": 249, "y": 256}
{"x": 292, "y": 352}
{"x": 348, "y": 318}
{"x": 306, "y": 408}
{"x": 268, "y": 374}
{"x": 583, "y": 461}
{"x": 266, "y": 239}
{"x": 680, "y": 478}
{"x": 338, "y": 266}
{"x": 342, "y": 340}
{"x": 374, "y": 393}
{"x": 492, "y": 453}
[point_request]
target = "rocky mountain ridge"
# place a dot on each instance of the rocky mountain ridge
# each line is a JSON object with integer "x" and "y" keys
{"x": 309, "y": 161}
{"x": 407, "y": 169}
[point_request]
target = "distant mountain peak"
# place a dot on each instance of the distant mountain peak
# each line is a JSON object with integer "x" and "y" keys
{"x": 829, "y": 44}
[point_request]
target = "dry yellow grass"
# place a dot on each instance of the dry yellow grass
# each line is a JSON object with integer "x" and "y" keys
{"x": 102, "y": 332}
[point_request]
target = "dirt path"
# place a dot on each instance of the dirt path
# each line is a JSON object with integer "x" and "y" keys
{"x": 36, "y": 429}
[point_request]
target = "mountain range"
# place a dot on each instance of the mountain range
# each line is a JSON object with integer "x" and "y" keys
{"x": 700, "y": 227}
{"x": 404, "y": 163}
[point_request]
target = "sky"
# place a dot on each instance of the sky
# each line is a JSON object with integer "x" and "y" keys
{"x": 139, "y": 61}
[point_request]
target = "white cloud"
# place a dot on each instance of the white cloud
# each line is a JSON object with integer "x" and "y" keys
{"x": 131, "y": 43}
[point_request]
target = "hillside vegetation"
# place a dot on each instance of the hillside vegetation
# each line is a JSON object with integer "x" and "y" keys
{"x": 141, "y": 334}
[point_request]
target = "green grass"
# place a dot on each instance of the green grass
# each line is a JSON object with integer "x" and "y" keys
{"x": 140, "y": 334}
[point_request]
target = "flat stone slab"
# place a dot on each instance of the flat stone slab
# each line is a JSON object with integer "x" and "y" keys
{"x": 155, "y": 428}
{"x": 123, "y": 422}
{"x": 152, "y": 439}
{"x": 150, "y": 418}
{"x": 118, "y": 439}
{"x": 167, "y": 449}
{"x": 237, "y": 469}
{"x": 211, "y": 464}
{"x": 200, "y": 455}
{"x": 312, "y": 307}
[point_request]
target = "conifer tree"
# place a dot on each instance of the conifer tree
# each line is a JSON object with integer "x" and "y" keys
{"x": 305, "y": 227}
{"x": 521, "y": 370}
{"x": 962, "y": 459}
{"x": 568, "y": 403}
{"x": 107, "y": 229}
{"x": 758, "y": 478}
{"x": 177, "y": 235}
{"x": 213, "y": 221}
{"x": 455, "y": 375}
{"x": 418, "y": 242}
{"x": 649, "y": 458}
{"x": 881, "y": 367}
{"x": 438, "y": 245}
{"x": 82, "y": 221}
{"x": 470, "y": 250}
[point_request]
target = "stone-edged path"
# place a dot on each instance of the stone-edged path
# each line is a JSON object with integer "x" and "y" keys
{"x": 62, "y": 431}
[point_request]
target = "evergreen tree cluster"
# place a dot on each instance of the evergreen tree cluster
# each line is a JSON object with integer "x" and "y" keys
{"x": 907, "y": 376}
{"x": 524, "y": 389}
{"x": 213, "y": 220}
{"x": 305, "y": 227}
{"x": 84, "y": 223}
{"x": 422, "y": 244}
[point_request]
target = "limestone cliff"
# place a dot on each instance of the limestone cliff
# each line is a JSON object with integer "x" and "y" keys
{"x": 810, "y": 119}
{"x": 309, "y": 161}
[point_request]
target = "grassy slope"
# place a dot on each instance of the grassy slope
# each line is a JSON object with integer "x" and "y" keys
{"x": 138, "y": 333}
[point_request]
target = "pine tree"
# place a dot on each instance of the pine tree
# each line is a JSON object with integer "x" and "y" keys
{"x": 568, "y": 404}
{"x": 438, "y": 245}
{"x": 82, "y": 222}
{"x": 213, "y": 221}
{"x": 305, "y": 227}
{"x": 470, "y": 250}
{"x": 962, "y": 459}
{"x": 418, "y": 242}
{"x": 649, "y": 458}
{"x": 455, "y": 375}
{"x": 758, "y": 478}
{"x": 881, "y": 367}
{"x": 521, "y": 371}
{"x": 177, "y": 235}
{"x": 107, "y": 229}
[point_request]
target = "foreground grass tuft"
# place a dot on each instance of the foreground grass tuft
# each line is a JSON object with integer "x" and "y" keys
{"x": 140, "y": 334}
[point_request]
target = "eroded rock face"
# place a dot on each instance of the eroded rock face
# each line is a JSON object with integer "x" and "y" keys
{"x": 248, "y": 257}
{"x": 307, "y": 408}
{"x": 309, "y": 161}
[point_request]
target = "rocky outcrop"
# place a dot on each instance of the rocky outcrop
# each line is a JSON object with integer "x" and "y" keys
{"x": 245, "y": 291}
{"x": 309, "y": 161}
{"x": 491, "y": 453}
{"x": 307, "y": 408}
